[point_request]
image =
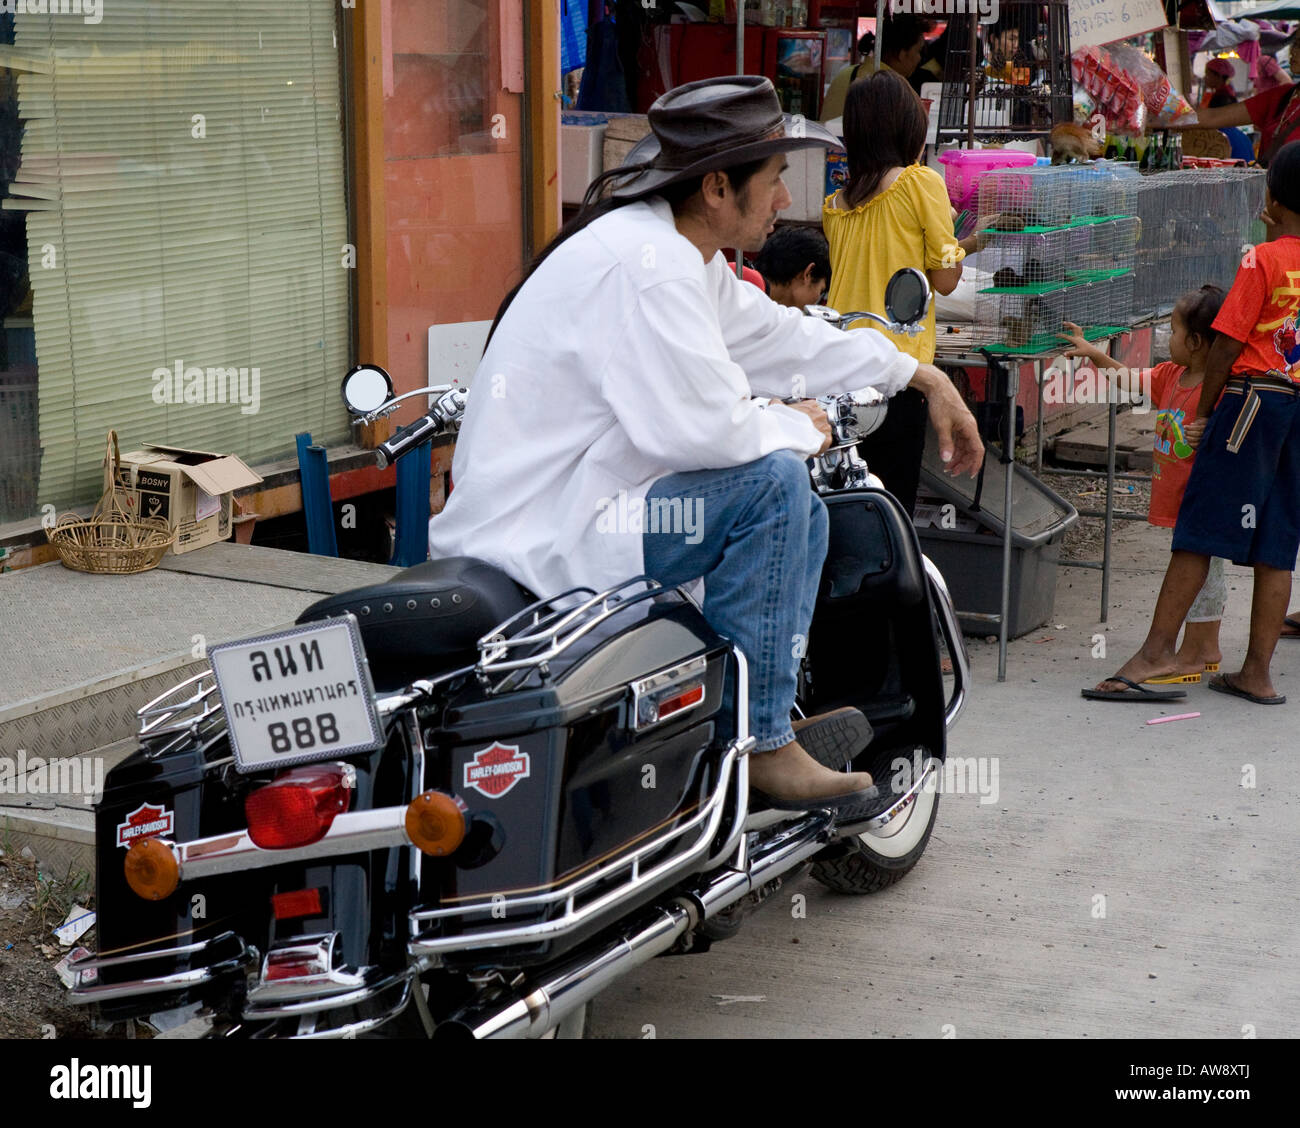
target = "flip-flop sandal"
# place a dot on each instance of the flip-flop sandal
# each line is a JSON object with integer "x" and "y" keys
{"x": 1294, "y": 624}
{"x": 1176, "y": 679}
{"x": 1134, "y": 692}
{"x": 1213, "y": 667}
{"x": 1221, "y": 684}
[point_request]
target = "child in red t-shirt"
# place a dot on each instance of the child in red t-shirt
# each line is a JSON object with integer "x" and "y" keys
{"x": 1242, "y": 499}
{"x": 1174, "y": 388}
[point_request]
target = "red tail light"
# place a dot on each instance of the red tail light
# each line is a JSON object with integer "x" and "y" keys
{"x": 299, "y": 807}
{"x": 680, "y": 701}
{"x": 299, "y": 903}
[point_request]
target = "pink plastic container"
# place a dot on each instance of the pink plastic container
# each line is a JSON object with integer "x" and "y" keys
{"x": 962, "y": 169}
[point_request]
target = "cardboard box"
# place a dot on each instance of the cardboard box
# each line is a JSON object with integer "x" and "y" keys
{"x": 191, "y": 489}
{"x": 621, "y": 135}
{"x": 582, "y": 151}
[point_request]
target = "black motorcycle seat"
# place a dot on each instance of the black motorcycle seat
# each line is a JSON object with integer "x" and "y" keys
{"x": 428, "y": 617}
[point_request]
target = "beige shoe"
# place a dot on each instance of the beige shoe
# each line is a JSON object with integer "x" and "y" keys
{"x": 833, "y": 739}
{"x": 788, "y": 779}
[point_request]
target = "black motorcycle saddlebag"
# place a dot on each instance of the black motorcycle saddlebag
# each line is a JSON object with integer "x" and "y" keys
{"x": 171, "y": 798}
{"x": 561, "y": 787}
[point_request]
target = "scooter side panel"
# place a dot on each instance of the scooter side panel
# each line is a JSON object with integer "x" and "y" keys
{"x": 873, "y": 644}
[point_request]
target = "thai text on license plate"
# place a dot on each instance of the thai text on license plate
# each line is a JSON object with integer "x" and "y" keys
{"x": 299, "y": 695}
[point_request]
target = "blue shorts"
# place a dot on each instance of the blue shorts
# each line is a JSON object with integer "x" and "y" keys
{"x": 1242, "y": 500}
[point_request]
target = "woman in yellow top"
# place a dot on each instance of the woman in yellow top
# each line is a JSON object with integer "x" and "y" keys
{"x": 893, "y": 213}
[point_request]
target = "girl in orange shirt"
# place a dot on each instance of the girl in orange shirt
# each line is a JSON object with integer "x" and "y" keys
{"x": 1175, "y": 388}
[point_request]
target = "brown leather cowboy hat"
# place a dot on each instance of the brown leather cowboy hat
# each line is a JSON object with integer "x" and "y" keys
{"x": 712, "y": 124}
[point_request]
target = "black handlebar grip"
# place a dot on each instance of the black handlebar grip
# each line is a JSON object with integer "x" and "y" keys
{"x": 407, "y": 439}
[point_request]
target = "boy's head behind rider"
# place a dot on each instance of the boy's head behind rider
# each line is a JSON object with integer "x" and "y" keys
{"x": 796, "y": 262}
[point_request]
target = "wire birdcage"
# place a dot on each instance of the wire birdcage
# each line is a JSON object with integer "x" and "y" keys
{"x": 1028, "y": 319}
{"x": 1108, "y": 245}
{"x": 1021, "y": 198}
{"x": 1105, "y": 188}
{"x": 1195, "y": 225}
{"x": 1027, "y": 258}
{"x": 1018, "y": 91}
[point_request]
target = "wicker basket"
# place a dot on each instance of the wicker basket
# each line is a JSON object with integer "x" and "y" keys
{"x": 114, "y": 540}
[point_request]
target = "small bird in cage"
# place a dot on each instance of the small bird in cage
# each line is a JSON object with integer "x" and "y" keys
{"x": 1072, "y": 142}
{"x": 1019, "y": 330}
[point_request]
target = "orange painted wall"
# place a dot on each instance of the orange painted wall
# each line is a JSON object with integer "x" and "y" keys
{"x": 453, "y": 170}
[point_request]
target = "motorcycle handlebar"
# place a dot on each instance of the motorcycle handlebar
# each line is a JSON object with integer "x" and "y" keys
{"x": 445, "y": 415}
{"x": 406, "y": 439}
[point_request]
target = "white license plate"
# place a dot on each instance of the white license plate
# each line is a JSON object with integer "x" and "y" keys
{"x": 296, "y": 696}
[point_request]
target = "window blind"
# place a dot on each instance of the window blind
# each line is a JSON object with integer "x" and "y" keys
{"x": 183, "y": 177}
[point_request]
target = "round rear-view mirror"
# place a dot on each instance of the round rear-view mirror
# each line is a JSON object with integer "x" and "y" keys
{"x": 907, "y": 296}
{"x": 366, "y": 388}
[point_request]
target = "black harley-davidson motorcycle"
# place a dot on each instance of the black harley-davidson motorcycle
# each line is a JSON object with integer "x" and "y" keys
{"x": 442, "y": 805}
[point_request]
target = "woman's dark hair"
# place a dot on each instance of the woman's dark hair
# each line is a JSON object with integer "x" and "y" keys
{"x": 593, "y": 208}
{"x": 884, "y": 128}
{"x": 1198, "y": 310}
{"x": 901, "y": 32}
{"x": 1284, "y": 175}
{"x": 789, "y": 250}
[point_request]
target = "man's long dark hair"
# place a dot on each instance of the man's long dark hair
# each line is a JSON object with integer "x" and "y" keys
{"x": 594, "y": 207}
{"x": 884, "y": 128}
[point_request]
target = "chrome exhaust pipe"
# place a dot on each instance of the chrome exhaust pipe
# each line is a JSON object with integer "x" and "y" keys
{"x": 530, "y": 1011}
{"x": 576, "y": 982}
{"x": 794, "y": 844}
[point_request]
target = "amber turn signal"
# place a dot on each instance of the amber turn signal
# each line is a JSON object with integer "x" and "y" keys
{"x": 151, "y": 869}
{"x": 436, "y": 823}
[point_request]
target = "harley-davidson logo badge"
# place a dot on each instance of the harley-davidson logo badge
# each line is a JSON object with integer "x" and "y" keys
{"x": 496, "y": 769}
{"x": 145, "y": 821}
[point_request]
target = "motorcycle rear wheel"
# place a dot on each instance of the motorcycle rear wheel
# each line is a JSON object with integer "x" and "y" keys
{"x": 876, "y": 863}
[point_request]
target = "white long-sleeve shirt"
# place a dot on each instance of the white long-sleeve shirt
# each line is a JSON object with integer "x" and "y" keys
{"x": 626, "y": 358}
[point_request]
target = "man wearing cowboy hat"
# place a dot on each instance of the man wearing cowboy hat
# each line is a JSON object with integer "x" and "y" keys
{"x": 628, "y": 365}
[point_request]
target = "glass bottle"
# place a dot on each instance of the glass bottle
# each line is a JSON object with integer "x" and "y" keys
{"x": 1130, "y": 153}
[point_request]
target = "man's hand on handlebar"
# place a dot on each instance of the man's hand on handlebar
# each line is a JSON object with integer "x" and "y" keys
{"x": 960, "y": 445}
{"x": 817, "y": 413}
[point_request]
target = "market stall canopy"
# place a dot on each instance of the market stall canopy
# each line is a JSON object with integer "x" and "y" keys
{"x": 1281, "y": 10}
{"x": 1230, "y": 33}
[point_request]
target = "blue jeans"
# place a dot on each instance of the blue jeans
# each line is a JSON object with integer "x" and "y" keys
{"x": 761, "y": 536}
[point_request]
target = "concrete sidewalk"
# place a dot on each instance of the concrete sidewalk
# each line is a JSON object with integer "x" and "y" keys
{"x": 79, "y": 654}
{"x": 1123, "y": 884}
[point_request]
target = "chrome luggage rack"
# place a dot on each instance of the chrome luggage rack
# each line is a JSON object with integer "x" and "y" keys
{"x": 209, "y": 960}
{"x": 189, "y": 710}
{"x": 543, "y": 633}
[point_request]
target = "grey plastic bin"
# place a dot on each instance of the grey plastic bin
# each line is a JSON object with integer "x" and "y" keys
{"x": 970, "y": 556}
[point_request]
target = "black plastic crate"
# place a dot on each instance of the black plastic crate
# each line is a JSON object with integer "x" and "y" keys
{"x": 968, "y": 551}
